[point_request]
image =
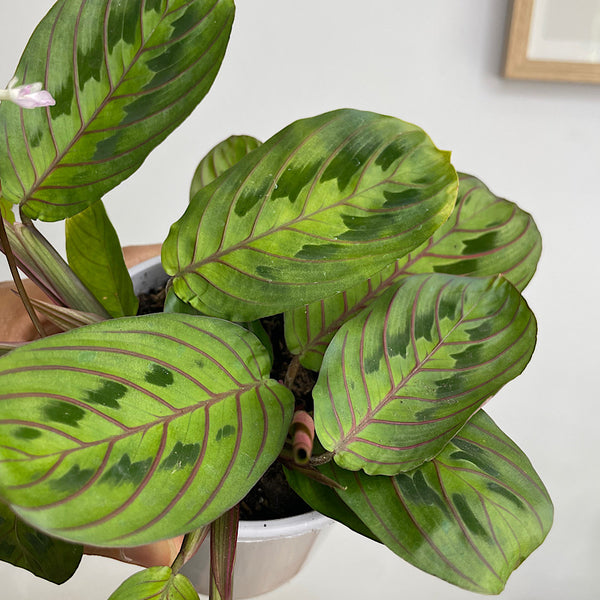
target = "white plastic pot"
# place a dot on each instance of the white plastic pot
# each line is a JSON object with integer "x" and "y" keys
{"x": 269, "y": 553}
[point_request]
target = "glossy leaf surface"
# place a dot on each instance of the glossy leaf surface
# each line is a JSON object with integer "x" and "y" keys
{"x": 155, "y": 583}
{"x": 124, "y": 75}
{"x": 220, "y": 158}
{"x": 293, "y": 220}
{"x": 137, "y": 429}
{"x": 402, "y": 378}
{"x": 46, "y": 557}
{"x": 94, "y": 253}
{"x": 485, "y": 235}
{"x": 470, "y": 516}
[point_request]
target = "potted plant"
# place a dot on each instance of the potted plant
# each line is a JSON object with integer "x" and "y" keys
{"x": 345, "y": 250}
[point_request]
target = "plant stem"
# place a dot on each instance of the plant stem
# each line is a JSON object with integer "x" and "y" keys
{"x": 291, "y": 372}
{"x": 14, "y": 271}
{"x": 191, "y": 542}
{"x": 321, "y": 459}
{"x": 223, "y": 541}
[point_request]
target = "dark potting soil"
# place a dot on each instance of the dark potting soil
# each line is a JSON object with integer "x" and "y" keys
{"x": 271, "y": 497}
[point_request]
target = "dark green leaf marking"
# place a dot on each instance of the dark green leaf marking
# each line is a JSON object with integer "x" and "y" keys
{"x": 471, "y": 355}
{"x": 468, "y": 516}
{"x": 27, "y": 433}
{"x": 127, "y": 472}
{"x": 62, "y": 412}
{"x": 225, "y": 432}
{"x": 181, "y": 456}
{"x": 294, "y": 179}
{"x": 108, "y": 394}
{"x": 461, "y": 267}
{"x": 74, "y": 479}
{"x": 483, "y": 243}
{"x": 499, "y": 489}
{"x": 398, "y": 148}
{"x": 159, "y": 375}
{"x": 473, "y": 454}
{"x": 416, "y": 490}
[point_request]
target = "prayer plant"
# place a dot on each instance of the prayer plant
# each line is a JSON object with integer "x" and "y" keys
{"x": 398, "y": 281}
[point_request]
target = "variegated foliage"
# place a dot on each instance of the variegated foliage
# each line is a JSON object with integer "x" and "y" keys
{"x": 293, "y": 220}
{"x": 402, "y": 378}
{"x": 471, "y": 515}
{"x": 131, "y": 430}
{"x": 124, "y": 75}
{"x": 485, "y": 235}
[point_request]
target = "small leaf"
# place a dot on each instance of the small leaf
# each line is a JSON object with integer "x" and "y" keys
{"x": 23, "y": 546}
{"x": 403, "y": 377}
{"x": 94, "y": 253}
{"x": 138, "y": 428}
{"x": 293, "y": 220}
{"x": 124, "y": 75}
{"x": 470, "y": 516}
{"x": 485, "y": 235}
{"x": 155, "y": 582}
{"x": 220, "y": 158}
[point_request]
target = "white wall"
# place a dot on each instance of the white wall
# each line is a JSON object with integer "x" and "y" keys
{"x": 436, "y": 63}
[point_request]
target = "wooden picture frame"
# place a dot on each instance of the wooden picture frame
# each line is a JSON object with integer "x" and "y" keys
{"x": 519, "y": 65}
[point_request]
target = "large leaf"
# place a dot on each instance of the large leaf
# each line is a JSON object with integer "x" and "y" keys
{"x": 220, "y": 158}
{"x": 136, "y": 429}
{"x": 156, "y": 582}
{"x": 403, "y": 377}
{"x": 470, "y": 516}
{"x": 124, "y": 75}
{"x": 485, "y": 235}
{"x": 23, "y": 546}
{"x": 94, "y": 253}
{"x": 293, "y": 220}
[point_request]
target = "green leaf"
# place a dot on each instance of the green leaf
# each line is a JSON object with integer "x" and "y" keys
{"x": 221, "y": 158}
{"x": 6, "y": 210}
{"x": 94, "y": 253}
{"x": 485, "y": 235}
{"x": 64, "y": 318}
{"x": 124, "y": 75}
{"x": 45, "y": 266}
{"x": 324, "y": 499}
{"x": 292, "y": 221}
{"x": 470, "y": 516}
{"x": 46, "y": 557}
{"x": 137, "y": 429}
{"x": 155, "y": 582}
{"x": 402, "y": 378}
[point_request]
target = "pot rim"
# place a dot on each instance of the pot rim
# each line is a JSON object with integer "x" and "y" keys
{"x": 252, "y": 531}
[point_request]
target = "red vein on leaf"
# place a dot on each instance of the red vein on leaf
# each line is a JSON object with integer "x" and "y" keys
{"x": 428, "y": 540}
{"x": 463, "y": 527}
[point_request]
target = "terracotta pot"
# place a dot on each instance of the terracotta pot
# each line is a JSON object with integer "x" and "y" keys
{"x": 269, "y": 553}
